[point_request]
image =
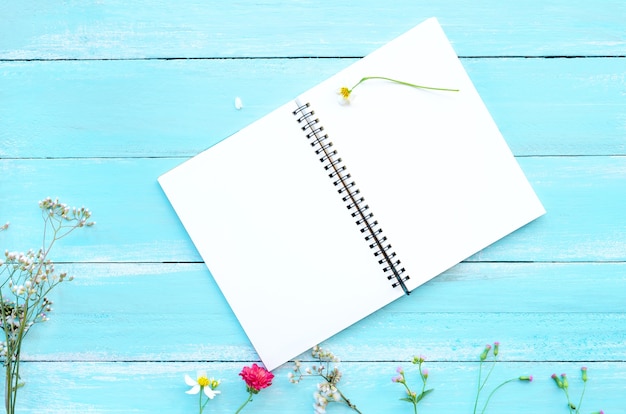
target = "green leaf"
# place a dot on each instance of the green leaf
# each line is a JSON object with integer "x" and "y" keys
{"x": 424, "y": 394}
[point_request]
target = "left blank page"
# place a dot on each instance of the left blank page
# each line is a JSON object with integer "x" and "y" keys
{"x": 277, "y": 238}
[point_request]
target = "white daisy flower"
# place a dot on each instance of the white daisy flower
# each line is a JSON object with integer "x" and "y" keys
{"x": 203, "y": 383}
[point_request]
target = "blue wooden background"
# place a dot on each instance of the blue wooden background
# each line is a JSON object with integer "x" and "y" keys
{"x": 98, "y": 98}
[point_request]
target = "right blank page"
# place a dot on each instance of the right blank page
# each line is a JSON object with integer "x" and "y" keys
{"x": 432, "y": 165}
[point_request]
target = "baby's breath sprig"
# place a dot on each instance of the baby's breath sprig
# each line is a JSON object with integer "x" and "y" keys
{"x": 482, "y": 382}
{"x": 413, "y": 397}
{"x": 563, "y": 383}
{"x": 327, "y": 390}
{"x": 345, "y": 92}
{"x": 26, "y": 279}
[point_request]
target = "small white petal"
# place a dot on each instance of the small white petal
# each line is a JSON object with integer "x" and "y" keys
{"x": 189, "y": 381}
{"x": 194, "y": 390}
{"x": 210, "y": 392}
{"x": 343, "y": 101}
{"x": 238, "y": 103}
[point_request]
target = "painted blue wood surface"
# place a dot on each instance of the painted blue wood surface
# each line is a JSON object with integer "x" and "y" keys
{"x": 98, "y": 98}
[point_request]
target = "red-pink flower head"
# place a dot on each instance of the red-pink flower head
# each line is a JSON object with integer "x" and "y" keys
{"x": 256, "y": 378}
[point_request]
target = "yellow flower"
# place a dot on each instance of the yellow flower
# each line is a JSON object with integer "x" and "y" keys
{"x": 344, "y": 95}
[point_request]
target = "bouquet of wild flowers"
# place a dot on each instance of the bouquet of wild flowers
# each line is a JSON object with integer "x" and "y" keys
{"x": 413, "y": 397}
{"x": 26, "y": 279}
{"x": 482, "y": 380}
{"x": 563, "y": 384}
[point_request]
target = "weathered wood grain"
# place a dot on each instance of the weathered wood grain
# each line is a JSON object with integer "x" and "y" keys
{"x": 179, "y": 108}
{"x": 584, "y": 197}
{"x": 175, "y": 312}
{"x": 192, "y": 28}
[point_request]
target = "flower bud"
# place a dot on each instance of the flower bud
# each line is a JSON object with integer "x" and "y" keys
{"x": 584, "y": 373}
{"x": 496, "y": 348}
{"x": 557, "y": 381}
{"x": 418, "y": 359}
{"x": 484, "y": 354}
{"x": 528, "y": 378}
{"x": 398, "y": 379}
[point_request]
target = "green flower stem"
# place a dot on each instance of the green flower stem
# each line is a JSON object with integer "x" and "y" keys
{"x": 582, "y": 394}
{"x": 482, "y": 384}
{"x": 569, "y": 403}
{"x": 245, "y": 402}
{"x": 200, "y": 401}
{"x": 494, "y": 391}
{"x": 348, "y": 403}
{"x": 402, "y": 83}
{"x": 410, "y": 393}
{"x": 202, "y": 406}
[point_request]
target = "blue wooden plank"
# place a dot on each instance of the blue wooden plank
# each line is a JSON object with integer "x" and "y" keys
{"x": 192, "y": 28}
{"x": 113, "y": 312}
{"x": 179, "y": 108}
{"x": 584, "y": 197}
{"x": 159, "y": 387}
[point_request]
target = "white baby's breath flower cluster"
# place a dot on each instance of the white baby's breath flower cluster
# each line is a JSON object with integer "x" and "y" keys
{"x": 327, "y": 390}
{"x": 26, "y": 279}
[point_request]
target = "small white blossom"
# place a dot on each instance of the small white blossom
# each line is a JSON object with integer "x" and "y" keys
{"x": 202, "y": 383}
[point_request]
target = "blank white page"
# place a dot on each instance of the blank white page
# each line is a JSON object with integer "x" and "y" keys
{"x": 432, "y": 165}
{"x": 276, "y": 237}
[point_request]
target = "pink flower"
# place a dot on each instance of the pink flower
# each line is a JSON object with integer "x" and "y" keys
{"x": 256, "y": 378}
{"x": 399, "y": 379}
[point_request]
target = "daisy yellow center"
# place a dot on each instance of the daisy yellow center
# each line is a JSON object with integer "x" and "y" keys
{"x": 345, "y": 92}
{"x": 203, "y": 381}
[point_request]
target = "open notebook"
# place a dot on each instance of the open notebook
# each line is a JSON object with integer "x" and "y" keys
{"x": 298, "y": 250}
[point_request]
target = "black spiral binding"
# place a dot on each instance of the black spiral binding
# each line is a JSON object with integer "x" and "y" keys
{"x": 350, "y": 194}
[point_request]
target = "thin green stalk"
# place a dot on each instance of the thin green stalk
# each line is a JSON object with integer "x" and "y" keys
{"x": 479, "y": 386}
{"x": 582, "y": 394}
{"x": 408, "y": 390}
{"x": 402, "y": 83}
{"x": 569, "y": 402}
{"x": 245, "y": 402}
{"x": 494, "y": 391}
{"x": 348, "y": 403}
{"x": 482, "y": 384}
{"x": 200, "y": 404}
